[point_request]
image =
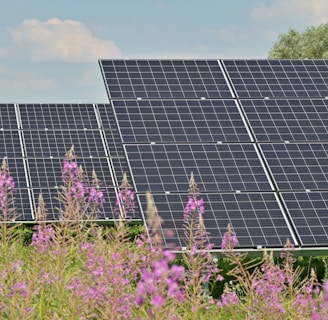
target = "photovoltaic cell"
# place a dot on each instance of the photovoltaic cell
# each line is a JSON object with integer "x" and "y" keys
{"x": 22, "y": 205}
{"x": 114, "y": 143}
{"x": 110, "y": 130}
{"x": 10, "y": 145}
{"x": 8, "y": 120}
{"x": 58, "y": 116}
{"x": 179, "y": 121}
{"x": 298, "y": 166}
{"x": 53, "y": 206}
{"x": 288, "y": 120}
{"x": 256, "y": 218}
{"x": 56, "y": 143}
{"x": 47, "y": 172}
{"x": 216, "y": 167}
{"x": 164, "y": 79}
{"x": 16, "y": 167}
{"x": 309, "y": 216}
{"x": 21, "y": 194}
{"x": 278, "y": 78}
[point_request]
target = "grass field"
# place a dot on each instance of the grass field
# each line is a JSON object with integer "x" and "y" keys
{"x": 77, "y": 270}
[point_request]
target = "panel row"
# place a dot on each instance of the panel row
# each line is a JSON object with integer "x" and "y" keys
{"x": 164, "y": 79}
{"x": 178, "y": 121}
{"x": 35, "y": 139}
{"x": 258, "y": 219}
{"x": 44, "y": 175}
{"x": 194, "y": 79}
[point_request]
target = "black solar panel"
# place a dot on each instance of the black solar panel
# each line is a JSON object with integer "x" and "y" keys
{"x": 114, "y": 143}
{"x": 216, "y": 167}
{"x": 287, "y": 120}
{"x": 298, "y": 166}
{"x": 21, "y": 194}
{"x": 179, "y": 121}
{"x": 164, "y": 79}
{"x": 23, "y": 205}
{"x": 10, "y": 145}
{"x": 17, "y": 169}
{"x": 309, "y": 215}
{"x": 278, "y": 78}
{"x": 110, "y": 130}
{"x": 8, "y": 120}
{"x": 256, "y": 218}
{"x": 47, "y": 172}
{"x": 55, "y": 143}
{"x": 58, "y": 116}
{"x": 54, "y": 207}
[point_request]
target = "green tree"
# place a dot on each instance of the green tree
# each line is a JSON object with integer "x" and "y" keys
{"x": 311, "y": 44}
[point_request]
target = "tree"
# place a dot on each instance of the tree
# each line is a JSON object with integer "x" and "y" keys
{"x": 311, "y": 44}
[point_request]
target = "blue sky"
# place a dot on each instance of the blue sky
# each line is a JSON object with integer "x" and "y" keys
{"x": 49, "y": 50}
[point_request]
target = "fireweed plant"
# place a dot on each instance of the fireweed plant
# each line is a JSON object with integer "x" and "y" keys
{"x": 75, "y": 269}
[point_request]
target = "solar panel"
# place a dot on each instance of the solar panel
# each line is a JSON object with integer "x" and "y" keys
{"x": 179, "y": 121}
{"x": 22, "y": 205}
{"x": 287, "y": 120}
{"x": 8, "y": 117}
{"x": 256, "y": 218}
{"x": 17, "y": 169}
{"x": 216, "y": 167}
{"x": 10, "y": 145}
{"x": 164, "y": 79}
{"x": 298, "y": 166}
{"x": 55, "y": 143}
{"x": 53, "y": 206}
{"x": 278, "y": 78}
{"x": 21, "y": 195}
{"x": 114, "y": 143}
{"x": 47, "y": 172}
{"x": 58, "y": 116}
{"x": 309, "y": 216}
{"x": 110, "y": 129}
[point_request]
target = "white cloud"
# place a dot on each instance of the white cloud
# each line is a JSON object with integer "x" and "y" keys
{"x": 303, "y": 12}
{"x": 66, "y": 40}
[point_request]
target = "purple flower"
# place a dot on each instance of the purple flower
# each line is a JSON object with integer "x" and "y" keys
{"x": 42, "y": 238}
{"x": 125, "y": 200}
{"x": 229, "y": 240}
{"x": 7, "y": 185}
{"x": 161, "y": 282}
{"x": 194, "y": 205}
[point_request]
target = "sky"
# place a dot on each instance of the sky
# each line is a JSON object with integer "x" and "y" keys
{"x": 49, "y": 50}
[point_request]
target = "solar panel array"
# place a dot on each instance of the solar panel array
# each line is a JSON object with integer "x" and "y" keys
{"x": 36, "y": 138}
{"x": 252, "y": 132}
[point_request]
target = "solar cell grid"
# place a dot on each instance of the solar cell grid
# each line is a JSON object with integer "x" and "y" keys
{"x": 120, "y": 166}
{"x": 47, "y": 173}
{"x": 8, "y": 120}
{"x": 16, "y": 167}
{"x": 22, "y": 205}
{"x": 226, "y": 167}
{"x": 298, "y": 166}
{"x": 256, "y": 218}
{"x": 278, "y": 78}
{"x": 309, "y": 216}
{"x": 58, "y": 116}
{"x": 52, "y": 204}
{"x": 55, "y": 143}
{"x": 179, "y": 121}
{"x": 110, "y": 130}
{"x": 288, "y": 120}
{"x": 20, "y": 208}
{"x": 162, "y": 79}
{"x": 10, "y": 145}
